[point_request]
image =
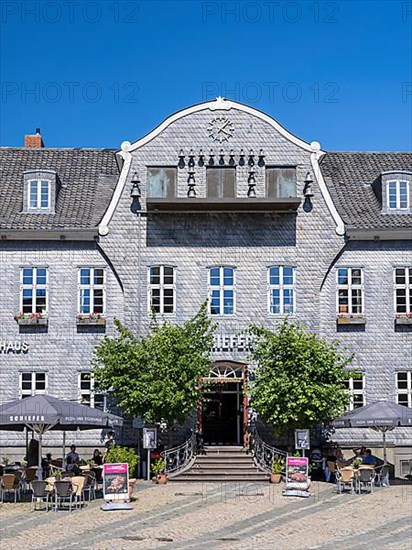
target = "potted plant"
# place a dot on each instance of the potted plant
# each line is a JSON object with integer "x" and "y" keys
{"x": 356, "y": 463}
{"x": 31, "y": 318}
{"x": 90, "y": 319}
{"x": 56, "y": 473}
{"x": 159, "y": 471}
{"x": 122, "y": 455}
{"x": 277, "y": 467}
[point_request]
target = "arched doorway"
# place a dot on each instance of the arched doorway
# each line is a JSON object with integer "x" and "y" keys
{"x": 222, "y": 417}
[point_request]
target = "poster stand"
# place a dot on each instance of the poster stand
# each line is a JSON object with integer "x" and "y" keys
{"x": 116, "y": 487}
{"x": 297, "y": 479}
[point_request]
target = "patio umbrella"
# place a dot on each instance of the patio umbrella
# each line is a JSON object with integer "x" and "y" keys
{"x": 382, "y": 416}
{"x": 43, "y": 413}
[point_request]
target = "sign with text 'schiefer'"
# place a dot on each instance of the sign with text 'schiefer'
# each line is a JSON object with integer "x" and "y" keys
{"x": 115, "y": 481}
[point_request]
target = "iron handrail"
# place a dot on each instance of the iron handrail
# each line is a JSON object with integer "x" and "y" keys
{"x": 263, "y": 453}
{"x": 178, "y": 458}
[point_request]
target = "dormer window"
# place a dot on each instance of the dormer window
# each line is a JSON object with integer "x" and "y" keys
{"x": 40, "y": 191}
{"x": 397, "y": 195}
{"x": 39, "y": 194}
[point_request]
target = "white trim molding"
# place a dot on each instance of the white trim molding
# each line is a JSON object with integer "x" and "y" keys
{"x": 314, "y": 159}
{"x": 127, "y": 158}
{"x": 219, "y": 103}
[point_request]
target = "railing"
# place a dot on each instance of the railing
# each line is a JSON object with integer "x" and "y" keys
{"x": 180, "y": 457}
{"x": 263, "y": 453}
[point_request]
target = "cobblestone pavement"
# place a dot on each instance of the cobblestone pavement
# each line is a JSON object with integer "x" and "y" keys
{"x": 184, "y": 516}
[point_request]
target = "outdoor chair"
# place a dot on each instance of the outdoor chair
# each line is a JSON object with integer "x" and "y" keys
{"x": 29, "y": 476}
{"x": 89, "y": 485}
{"x": 63, "y": 494}
{"x": 345, "y": 479}
{"x": 366, "y": 479}
{"x": 40, "y": 494}
{"x": 382, "y": 476}
{"x": 330, "y": 470}
{"x": 10, "y": 484}
{"x": 78, "y": 490}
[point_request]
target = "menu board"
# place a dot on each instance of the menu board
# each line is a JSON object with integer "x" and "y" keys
{"x": 297, "y": 469}
{"x": 115, "y": 481}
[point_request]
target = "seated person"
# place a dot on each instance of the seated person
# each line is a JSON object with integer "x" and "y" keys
{"x": 72, "y": 459}
{"x": 369, "y": 459}
{"x": 97, "y": 457}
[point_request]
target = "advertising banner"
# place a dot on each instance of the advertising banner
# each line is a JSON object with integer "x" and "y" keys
{"x": 115, "y": 481}
{"x": 297, "y": 470}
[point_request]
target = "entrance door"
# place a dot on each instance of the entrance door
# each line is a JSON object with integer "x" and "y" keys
{"x": 222, "y": 419}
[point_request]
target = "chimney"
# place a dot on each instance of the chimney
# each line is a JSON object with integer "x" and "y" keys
{"x": 34, "y": 141}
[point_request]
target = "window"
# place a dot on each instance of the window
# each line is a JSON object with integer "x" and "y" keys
{"x": 34, "y": 290}
{"x": 221, "y": 182}
{"x": 356, "y": 387}
{"x": 162, "y": 289}
{"x": 92, "y": 290}
{"x": 87, "y": 395}
{"x": 281, "y": 182}
{"x": 32, "y": 383}
{"x": 403, "y": 289}
{"x": 350, "y": 290}
{"x": 222, "y": 290}
{"x": 281, "y": 285}
{"x": 398, "y": 195}
{"x": 39, "y": 194}
{"x": 161, "y": 182}
{"x": 404, "y": 388}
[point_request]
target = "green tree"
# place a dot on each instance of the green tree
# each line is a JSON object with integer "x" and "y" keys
{"x": 299, "y": 379}
{"x": 156, "y": 376}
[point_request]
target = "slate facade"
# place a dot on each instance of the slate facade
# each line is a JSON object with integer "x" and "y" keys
{"x": 335, "y": 219}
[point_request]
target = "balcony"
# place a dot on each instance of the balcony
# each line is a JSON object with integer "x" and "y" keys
{"x": 193, "y": 205}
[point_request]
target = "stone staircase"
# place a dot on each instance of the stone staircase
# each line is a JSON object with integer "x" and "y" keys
{"x": 222, "y": 464}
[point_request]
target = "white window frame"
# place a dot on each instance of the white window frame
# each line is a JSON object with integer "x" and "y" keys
{"x": 221, "y": 288}
{"x": 89, "y": 391}
{"x": 92, "y": 287}
{"x": 33, "y": 287}
{"x": 406, "y": 287}
{"x": 398, "y": 206}
{"x": 352, "y": 391}
{"x": 281, "y": 287}
{"x": 349, "y": 287}
{"x": 33, "y": 390}
{"x": 161, "y": 286}
{"x": 408, "y": 390}
{"x": 38, "y": 183}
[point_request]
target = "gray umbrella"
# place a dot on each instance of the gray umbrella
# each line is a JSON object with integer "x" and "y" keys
{"x": 42, "y": 413}
{"x": 382, "y": 416}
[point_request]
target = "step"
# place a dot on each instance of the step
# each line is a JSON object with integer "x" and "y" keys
{"x": 224, "y": 456}
{"x": 223, "y": 448}
{"x": 227, "y": 472}
{"x": 261, "y": 478}
{"x": 222, "y": 464}
{"x": 224, "y": 470}
{"x": 216, "y": 459}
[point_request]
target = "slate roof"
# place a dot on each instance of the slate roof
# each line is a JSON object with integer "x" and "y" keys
{"x": 349, "y": 177}
{"x": 88, "y": 178}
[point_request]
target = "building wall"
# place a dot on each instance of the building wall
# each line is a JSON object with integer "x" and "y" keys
{"x": 62, "y": 350}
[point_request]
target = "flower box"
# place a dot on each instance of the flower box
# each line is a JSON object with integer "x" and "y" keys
{"x": 347, "y": 319}
{"x": 32, "y": 321}
{"x": 87, "y": 320}
{"x": 403, "y": 320}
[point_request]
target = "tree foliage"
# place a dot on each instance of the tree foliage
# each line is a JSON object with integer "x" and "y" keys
{"x": 299, "y": 380}
{"x": 156, "y": 376}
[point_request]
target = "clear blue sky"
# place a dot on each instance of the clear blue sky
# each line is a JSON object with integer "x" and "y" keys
{"x": 92, "y": 74}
